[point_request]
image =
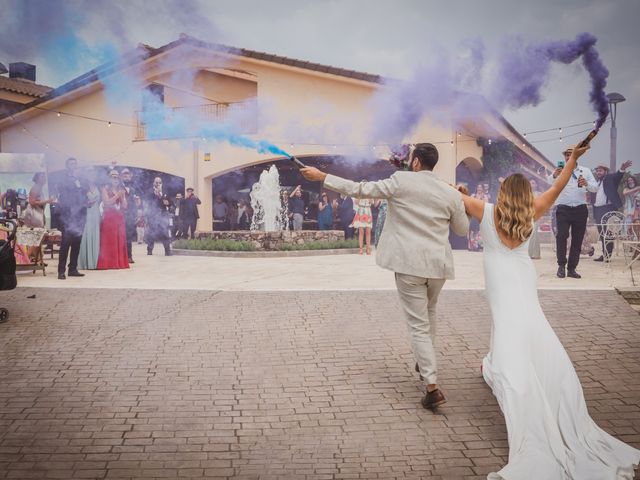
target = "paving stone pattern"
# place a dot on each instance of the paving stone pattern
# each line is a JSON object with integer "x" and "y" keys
{"x": 304, "y": 385}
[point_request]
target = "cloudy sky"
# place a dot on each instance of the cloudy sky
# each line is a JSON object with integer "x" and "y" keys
{"x": 377, "y": 36}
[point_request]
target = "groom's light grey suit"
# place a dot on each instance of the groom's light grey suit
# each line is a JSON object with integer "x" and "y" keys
{"x": 415, "y": 245}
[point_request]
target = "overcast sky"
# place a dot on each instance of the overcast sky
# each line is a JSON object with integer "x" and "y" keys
{"x": 375, "y": 36}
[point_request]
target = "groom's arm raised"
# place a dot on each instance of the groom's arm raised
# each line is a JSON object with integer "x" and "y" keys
{"x": 381, "y": 189}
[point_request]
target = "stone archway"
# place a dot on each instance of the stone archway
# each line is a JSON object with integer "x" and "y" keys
{"x": 236, "y": 184}
{"x": 469, "y": 171}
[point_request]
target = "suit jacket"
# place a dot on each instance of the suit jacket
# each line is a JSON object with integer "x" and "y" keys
{"x": 610, "y": 183}
{"x": 189, "y": 208}
{"x": 421, "y": 207}
{"x": 345, "y": 210}
{"x": 72, "y": 205}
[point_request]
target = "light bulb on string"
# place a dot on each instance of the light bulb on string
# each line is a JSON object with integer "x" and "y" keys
{"x": 452, "y": 143}
{"x": 489, "y": 141}
{"x": 560, "y": 130}
{"x": 560, "y": 138}
{"x": 59, "y": 114}
{"x": 109, "y": 124}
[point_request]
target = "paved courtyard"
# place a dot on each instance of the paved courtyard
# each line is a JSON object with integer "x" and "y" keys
{"x": 135, "y": 383}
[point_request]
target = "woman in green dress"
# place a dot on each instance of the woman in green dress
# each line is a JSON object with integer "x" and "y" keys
{"x": 90, "y": 244}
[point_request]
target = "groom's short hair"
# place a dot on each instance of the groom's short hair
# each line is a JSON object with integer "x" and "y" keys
{"x": 427, "y": 155}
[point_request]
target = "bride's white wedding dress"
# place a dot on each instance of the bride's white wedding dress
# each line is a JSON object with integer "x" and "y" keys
{"x": 550, "y": 433}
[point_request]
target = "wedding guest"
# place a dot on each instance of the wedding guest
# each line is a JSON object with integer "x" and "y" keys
{"x": 139, "y": 220}
{"x": 631, "y": 195}
{"x": 177, "y": 229}
{"x": 296, "y": 208}
{"x": 156, "y": 222}
{"x": 325, "y": 213}
{"x": 605, "y": 200}
{"x": 382, "y": 216}
{"x": 34, "y": 214}
{"x": 474, "y": 241}
{"x": 72, "y": 214}
{"x": 534, "y": 241}
{"x": 90, "y": 244}
{"x": 189, "y": 214}
{"x": 220, "y": 214}
{"x": 131, "y": 212}
{"x": 345, "y": 215}
{"x": 113, "y": 234}
{"x": 362, "y": 220}
{"x": 571, "y": 216}
{"x": 245, "y": 214}
{"x": 233, "y": 214}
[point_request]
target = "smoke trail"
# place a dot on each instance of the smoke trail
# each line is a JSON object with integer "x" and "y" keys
{"x": 524, "y": 70}
{"x": 61, "y": 35}
{"x": 451, "y": 90}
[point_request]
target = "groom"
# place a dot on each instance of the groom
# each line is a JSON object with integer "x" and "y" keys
{"x": 414, "y": 244}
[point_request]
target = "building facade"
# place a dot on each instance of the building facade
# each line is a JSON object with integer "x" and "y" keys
{"x": 147, "y": 110}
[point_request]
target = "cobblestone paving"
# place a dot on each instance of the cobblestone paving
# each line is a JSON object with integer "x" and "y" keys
{"x": 192, "y": 384}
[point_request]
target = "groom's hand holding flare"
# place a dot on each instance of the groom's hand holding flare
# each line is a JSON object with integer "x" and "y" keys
{"x": 313, "y": 174}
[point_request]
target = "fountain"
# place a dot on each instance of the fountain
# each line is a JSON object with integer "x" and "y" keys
{"x": 270, "y": 222}
{"x": 269, "y": 215}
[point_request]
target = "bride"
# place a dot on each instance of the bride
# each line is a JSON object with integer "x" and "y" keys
{"x": 551, "y": 435}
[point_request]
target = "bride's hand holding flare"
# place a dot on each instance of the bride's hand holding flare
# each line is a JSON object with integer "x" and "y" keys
{"x": 313, "y": 174}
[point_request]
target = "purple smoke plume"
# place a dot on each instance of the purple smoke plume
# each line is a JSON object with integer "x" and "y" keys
{"x": 524, "y": 69}
{"x": 449, "y": 90}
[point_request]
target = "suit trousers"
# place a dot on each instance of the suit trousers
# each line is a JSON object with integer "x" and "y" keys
{"x": 69, "y": 248}
{"x": 574, "y": 218}
{"x": 419, "y": 297}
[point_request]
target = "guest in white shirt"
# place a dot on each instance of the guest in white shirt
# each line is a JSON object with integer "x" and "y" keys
{"x": 571, "y": 216}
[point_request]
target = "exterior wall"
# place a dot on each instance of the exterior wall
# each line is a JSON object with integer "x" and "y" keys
{"x": 296, "y": 107}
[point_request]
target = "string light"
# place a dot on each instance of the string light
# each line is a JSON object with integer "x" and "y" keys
{"x": 109, "y": 124}
{"x": 59, "y": 114}
{"x": 452, "y": 143}
{"x": 489, "y": 141}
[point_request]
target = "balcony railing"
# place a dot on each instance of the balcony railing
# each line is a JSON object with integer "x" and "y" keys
{"x": 193, "y": 121}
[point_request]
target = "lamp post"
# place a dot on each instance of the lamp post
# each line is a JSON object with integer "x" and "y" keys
{"x": 614, "y": 99}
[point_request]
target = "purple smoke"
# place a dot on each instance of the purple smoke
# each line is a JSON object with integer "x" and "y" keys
{"x": 449, "y": 90}
{"x": 523, "y": 71}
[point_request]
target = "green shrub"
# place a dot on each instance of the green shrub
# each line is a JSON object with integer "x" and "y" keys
{"x": 228, "y": 245}
{"x": 340, "y": 244}
{"x": 212, "y": 244}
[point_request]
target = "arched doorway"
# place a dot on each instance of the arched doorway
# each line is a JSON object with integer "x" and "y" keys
{"x": 236, "y": 185}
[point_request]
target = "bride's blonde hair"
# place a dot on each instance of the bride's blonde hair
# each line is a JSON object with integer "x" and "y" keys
{"x": 514, "y": 207}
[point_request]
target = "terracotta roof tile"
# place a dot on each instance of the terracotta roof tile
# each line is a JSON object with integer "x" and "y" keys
{"x": 24, "y": 87}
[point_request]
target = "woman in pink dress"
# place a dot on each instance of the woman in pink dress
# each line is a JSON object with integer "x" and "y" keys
{"x": 113, "y": 238}
{"x": 363, "y": 221}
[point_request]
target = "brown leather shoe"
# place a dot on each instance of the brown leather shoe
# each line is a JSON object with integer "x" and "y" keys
{"x": 433, "y": 399}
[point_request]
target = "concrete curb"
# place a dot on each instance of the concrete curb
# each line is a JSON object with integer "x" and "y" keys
{"x": 265, "y": 254}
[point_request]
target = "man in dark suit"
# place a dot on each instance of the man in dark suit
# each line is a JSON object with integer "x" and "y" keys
{"x": 346, "y": 214}
{"x": 157, "y": 219}
{"x": 72, "y": 208}
{"x": 189, "y": 213}
{"x": 606, "y": 199}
